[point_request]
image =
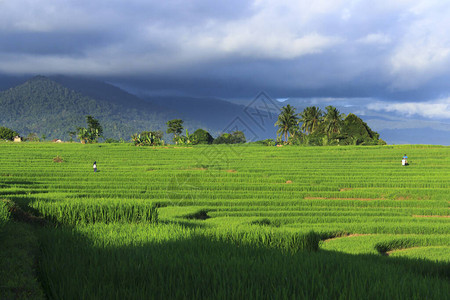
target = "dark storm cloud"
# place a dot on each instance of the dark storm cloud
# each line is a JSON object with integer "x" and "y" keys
{"x": 386, "y": 50}
{"x": 50, "y": 43}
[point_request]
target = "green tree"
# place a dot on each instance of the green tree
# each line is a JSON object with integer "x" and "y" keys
{"x": 311, "y": 118}
{"x": 287, "y": 122}
{"x": 356, "y": 132}
{"x": 72, "y": 134}
{"x": 333, "y": 120}
{"x": 224, "y": 138}
{"x": 175, "y": 126}
{"x": 94, "y": 129}
{"x": 92, "y": 133}
{"x": 7, "y": 134}
{"x": 236, "y": 137}
{"x": 33, "y": 137}
{"x": 201, "y": 136}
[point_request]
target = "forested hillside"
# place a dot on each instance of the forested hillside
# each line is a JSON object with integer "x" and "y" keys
{"x": 46, "y": 107}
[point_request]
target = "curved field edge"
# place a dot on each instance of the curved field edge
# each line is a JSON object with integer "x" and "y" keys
{"x": 383, "y": 243}
{"x": 433, "y": 253}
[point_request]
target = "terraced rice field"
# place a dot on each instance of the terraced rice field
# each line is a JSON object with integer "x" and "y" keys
{"x": 235, "y": 221}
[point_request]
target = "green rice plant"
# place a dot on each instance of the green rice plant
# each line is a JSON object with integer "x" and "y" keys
{"x": 372, "y": 243}
{"x": 169, "y": 261}
{"x": 405, "y": 242}
{"x": 265, "y": 237}
{"x": 433, "y": 253}
{"x": 72, "y": 213}
{"x": 4, "y": 213}
{"x": 266, "y": 222}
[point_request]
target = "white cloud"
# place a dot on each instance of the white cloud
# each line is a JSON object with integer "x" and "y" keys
{"x": 375, "y": 38}
{"x": 423, "y": 51}
{"x": 433, "y": 109}
{"x": 279, "y": 45}
{"x": 346, "y": 14}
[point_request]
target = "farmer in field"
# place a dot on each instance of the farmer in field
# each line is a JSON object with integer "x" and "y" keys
{"x": 95, "y": 166}
{"x": 405, "y": 160}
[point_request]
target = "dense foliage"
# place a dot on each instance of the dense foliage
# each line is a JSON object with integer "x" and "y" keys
{"x": 4, "y": 214}
{"x": 236, "y": 137}
{"x": 319, "y": 128}
{"x": 92, "y": 132}
{"x": 157, "y": 134}
{"x": 201, "y": 136}
{"x": 287, "y": 122}
{"x": 148, "y": 138}
{"x": 7, "y": 134}
{"x": 175, "y": 126}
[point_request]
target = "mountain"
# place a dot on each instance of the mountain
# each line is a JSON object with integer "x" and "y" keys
{"x": 217, "y": 114}
{"x": 107, "y": 93}
{"x": 54, "y": 107}
{"x": 256, "y": 118}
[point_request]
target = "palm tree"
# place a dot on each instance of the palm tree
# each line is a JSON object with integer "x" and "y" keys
{"x": 333, "y": 120}
{"x": 311, "y": 117}
{"x": 287, "y": 122}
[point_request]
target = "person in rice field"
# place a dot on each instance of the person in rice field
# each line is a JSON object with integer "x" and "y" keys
{"x": 95, "y": 166}
{"x": 405, "y": 160}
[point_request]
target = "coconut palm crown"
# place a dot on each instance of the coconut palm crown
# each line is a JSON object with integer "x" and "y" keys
{"x": 333, "y": 120}
{"x": 311, "y": 118}
{"x": 287, "y": 122}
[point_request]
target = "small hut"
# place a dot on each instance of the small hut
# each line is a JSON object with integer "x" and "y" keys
{"x": 18, "y": 139}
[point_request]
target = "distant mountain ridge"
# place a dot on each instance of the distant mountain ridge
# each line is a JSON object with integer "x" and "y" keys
{"x": 47, "y": 107}
{"x": 53, "y": 106}
{"x": 211, "y": 111}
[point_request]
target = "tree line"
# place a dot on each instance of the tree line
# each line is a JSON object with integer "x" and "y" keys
{"x": 175, "y": 127}
{"x": 330, "y": 127}
{"x": 312, "y": 126}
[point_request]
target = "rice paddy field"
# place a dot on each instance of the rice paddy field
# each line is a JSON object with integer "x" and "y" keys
{"x": 229, "y": 222}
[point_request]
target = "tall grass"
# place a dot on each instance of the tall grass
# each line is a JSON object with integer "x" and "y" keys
{"x": 172, "y": 262}
{"x": 4, "y": 213}
{"x": 83, "y": 212}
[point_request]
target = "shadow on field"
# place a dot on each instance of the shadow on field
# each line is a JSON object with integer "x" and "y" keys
{"x": 77, "y": 267}
{"x": 13, "y": 187}
{"x": 11, "y": 183}
{"x": 185, "y": 224}
{"x": 23, "y": 204}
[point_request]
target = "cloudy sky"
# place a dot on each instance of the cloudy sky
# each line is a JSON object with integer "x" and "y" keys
{"x": 389, "y": 56}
